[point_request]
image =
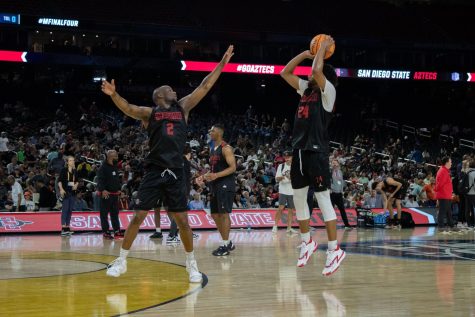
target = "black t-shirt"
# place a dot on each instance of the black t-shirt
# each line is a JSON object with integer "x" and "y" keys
{"x": 108, "y": 178}
{"x": 47, "y": 198}
{"x": 218, "y": 163}
{"x": 67, "y": 179}
{"x": 311, "y": 123}
{"x": 167, "y": 133}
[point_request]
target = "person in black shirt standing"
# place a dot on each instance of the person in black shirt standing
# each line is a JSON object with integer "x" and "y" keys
{"x": 222, "y": 186}
{"x": 67, "y": 184}
{"x": 108, "y": 188}
{"x": 166, "y": 127}
{"x": 310, "y": 164}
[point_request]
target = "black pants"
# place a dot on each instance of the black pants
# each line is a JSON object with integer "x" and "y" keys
{"x": 445, "y": 213}
{"x": 470, "y": 213}
{"x": 110, "y": 205}
{"x": 173, "y": 228}
{"x": 337, "y": 199}
{"x": 463, "y": 208}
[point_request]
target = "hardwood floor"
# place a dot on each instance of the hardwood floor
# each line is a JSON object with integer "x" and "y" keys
{"x": 386, "y": 273}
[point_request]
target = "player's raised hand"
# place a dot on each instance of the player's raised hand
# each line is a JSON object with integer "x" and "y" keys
{"x": 328, "y": 42}
{"x": 108, "y": 87}
{"x": 308, "y": 55}
{"x": 229, "y": 53}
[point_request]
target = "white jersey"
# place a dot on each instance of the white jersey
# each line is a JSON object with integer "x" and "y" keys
{"x": 285, "y": 186}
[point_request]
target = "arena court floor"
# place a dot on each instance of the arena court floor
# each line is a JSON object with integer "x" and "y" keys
{"x": 386, "y": 273}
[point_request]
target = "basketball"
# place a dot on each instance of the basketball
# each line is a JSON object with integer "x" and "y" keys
{"x": 315, "y": 45}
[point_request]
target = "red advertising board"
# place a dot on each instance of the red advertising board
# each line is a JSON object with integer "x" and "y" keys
{"x": 90, "y": 221}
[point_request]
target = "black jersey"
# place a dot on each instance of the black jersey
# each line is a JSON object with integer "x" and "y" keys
{"x": 167, "y": 136}
{"x": 311, "y": 123}
{"x": 391, "y": 188}
{"x": 218, "y": 163}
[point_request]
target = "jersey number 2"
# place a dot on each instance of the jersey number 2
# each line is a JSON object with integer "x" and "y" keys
{"x": 170, "y": 129}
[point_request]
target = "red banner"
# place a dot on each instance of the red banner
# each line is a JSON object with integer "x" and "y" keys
{"x": 12, "y": 56}
{"x": 242, "y": 68}
{"x": 90, "y": 221}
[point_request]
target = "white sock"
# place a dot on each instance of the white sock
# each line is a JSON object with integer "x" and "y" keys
{"x": 158, "y": 229}
{"x": 305, "y": 237}
{"x": 332, "y": 245}
{"x": 123, "y": 253}
{"x": 190, "y": 256}
{"x": 225, "y": 242}
{"x": 274, "y": 227}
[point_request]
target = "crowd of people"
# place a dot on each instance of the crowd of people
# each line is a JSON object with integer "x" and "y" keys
{"x": 30, "y": 161}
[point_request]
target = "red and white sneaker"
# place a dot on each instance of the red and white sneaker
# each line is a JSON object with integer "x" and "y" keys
{"x": 306, "y": 252}
{"x": 334, "y": 259}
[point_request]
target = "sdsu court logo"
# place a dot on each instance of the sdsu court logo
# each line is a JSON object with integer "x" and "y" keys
{"x": 421, "y": 250}
{"x": 12, "y": 224}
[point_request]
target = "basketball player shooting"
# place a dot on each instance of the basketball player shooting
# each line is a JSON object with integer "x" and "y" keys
{"x": 166, "y": 127}
{"x": 310, "y": 164}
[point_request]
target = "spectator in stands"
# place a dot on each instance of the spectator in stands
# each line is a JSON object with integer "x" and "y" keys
{"x": 19, "y": 203}
{"x": 12, "y": 165}
{"x": 429, "y": 190}
{"x": 47, "y": 198}
{"x": 338, "y": 185}
{"x": 443, "y": 191}
{"x": 426, "y": 156}
{"x": 56, "y": 164}
{"x": 83, "y": 168}
{"x": 196, "y": 203}
{"x": 363, "y": 179}
{"x": 470, "y": 197}
{"x": 29, "y": 203}
{"x": 410, "y": 202}
{"x": 427, "y": 179}
{"x": 246, "y": 199}
{"x": 237, "y": 204}
{"x": 80, "y": 204}
{"x": 417, "y": 187}
{"x": 253, "y": 203}
{"x": 3, "y": 144}
{"x": 374, "y": 200}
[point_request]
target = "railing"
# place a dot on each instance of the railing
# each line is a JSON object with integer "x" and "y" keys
{"x": 467, "y": 143}
{"x": 424, "y": 133}
{"x": 392, "y": 125}
{"x": 406, "y": 129}
{"x": 90, "y": 160}
{"x": 382, "y": 154}
{"x": 336, "y": 145}
{"x": 358, "y": 148}
{"x": 446, "y": 138}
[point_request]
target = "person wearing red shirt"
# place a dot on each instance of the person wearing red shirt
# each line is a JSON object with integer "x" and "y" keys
{"x": 443, "y": 194}
{"x": 430, "y": 193}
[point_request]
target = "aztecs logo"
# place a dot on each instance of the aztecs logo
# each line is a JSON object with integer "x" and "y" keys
{"x": 426, "y": 250}
{"x": 11, "y": 223}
